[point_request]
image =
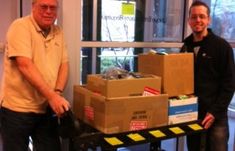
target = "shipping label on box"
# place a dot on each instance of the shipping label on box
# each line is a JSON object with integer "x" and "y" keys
{"x": 138, "y": 125}
{"x": 89, "y": 112}
{"x": 139, "y": 120}
{"x": 184, "y": 110}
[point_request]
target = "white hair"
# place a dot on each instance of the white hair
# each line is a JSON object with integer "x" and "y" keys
{"x": 34, "y": 1}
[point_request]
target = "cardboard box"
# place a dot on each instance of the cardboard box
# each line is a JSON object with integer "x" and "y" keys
{"x": 122, "y": 114}
{"x": 184, "y": 110}
{"x": 176, "y": 71}
{"x": 122, "y": 87}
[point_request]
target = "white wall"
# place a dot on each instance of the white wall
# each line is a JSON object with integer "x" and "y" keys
{"x": 71, "y": 14}
{"x": 8, "y": 12}
{"x": 8, "y": 9}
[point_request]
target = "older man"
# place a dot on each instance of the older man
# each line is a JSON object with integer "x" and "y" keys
{"x": 35, "y": 74}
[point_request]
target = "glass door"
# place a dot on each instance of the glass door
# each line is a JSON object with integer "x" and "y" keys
{"x": 125, "y": 28}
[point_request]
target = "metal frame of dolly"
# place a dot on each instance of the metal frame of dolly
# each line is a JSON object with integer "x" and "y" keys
{"x": 92, "y": 138}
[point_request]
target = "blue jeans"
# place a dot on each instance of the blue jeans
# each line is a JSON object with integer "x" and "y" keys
{"x": 17, "y": 127}
{"x": 215, "y": 139}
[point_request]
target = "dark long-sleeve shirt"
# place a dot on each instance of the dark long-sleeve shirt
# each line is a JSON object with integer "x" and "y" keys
{"x": 214, "y": 73}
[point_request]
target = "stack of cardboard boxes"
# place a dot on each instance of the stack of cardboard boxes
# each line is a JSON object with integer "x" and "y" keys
{"x": 177, "y": 73}
{"x": 114, "y": 106}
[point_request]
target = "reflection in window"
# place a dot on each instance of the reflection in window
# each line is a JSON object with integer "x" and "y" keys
{"x": 128, "y": 21}
{"x": 223, "y": 18}
{"x": 117, "y": 57}
{"x": 111, "y": 57}
{"x": 123, "y": 20}
{"x": 166, "y": 50}
{"x": 118, "y": 20}
{"x": 167, "y": 16}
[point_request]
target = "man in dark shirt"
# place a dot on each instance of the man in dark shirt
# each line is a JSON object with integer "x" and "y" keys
{"x": 214, "y": 79}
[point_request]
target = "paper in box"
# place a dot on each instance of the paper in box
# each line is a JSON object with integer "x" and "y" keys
{"x": 176, "y": 71}
{"x": 120, "y": 114}
{"x": 122, "y": 87}
{"x": 184, "y": 110}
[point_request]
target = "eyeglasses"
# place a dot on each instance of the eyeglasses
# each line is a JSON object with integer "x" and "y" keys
{"x": 44, "y": 7}
{"x": 201, "y": 16}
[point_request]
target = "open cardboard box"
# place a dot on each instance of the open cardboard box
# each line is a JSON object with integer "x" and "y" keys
{"x": 122, "y": 87}
{"x": 176, "y": 71}
{"x": 184, "y": 110}
{"x": 120, "y": 114}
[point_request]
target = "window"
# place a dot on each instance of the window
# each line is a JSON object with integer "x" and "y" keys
{"x": 128, "y": 21}
{"x": 223, "y": 18}
{"x": 168, "y": 20}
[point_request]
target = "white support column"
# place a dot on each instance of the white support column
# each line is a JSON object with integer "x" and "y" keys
{"x": 71, "y": 24}
{"x": 94, "y": 33}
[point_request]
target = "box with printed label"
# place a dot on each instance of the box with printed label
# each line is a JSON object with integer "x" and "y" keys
{"x": 184, "y": 110}
{"x": 122, "y": 87}
{"x": 176, "y": 71}
{"x": 120, "y": 114}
